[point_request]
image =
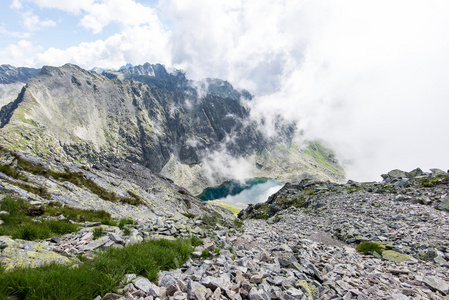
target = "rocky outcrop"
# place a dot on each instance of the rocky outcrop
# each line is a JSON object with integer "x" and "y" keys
{"x": 150, "y": 117}
{"x": 28, "y": 254}
{"x": 157, "y": 76}
{"x": 415, "y": 186}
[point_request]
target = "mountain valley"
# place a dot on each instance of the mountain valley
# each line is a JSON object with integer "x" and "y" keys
{"x": 132, "y": 147}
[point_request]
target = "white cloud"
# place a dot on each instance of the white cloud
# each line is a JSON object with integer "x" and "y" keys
{"x": 242, "y": 41}
{"x": 124, "y": 12}
{"x": 20, "y": 35}
{"x": 71, "y": 6}
{"x": 367, "y": 76}
{"x": 21, "y": 53}
{"x": 16, "y": 4}
{"x": 97, "y": 14}
{"x": 32, "y": 22}
{"x": 372, "y": 84}
{"x": 135, "y": 45}
{"x": 219, "y": 166}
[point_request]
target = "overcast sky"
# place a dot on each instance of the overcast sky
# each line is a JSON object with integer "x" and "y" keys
{"x": 369, "y": 77}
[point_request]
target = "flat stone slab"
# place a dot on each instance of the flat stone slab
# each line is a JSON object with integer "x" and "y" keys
{"x": 437, "y": 284}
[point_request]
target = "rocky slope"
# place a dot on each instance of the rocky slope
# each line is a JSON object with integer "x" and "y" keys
{"x": 159, "y": 120}
{"x": 124, "y": 190}
{"x": 304, "y": 252}
{"x": 307, "y": 249}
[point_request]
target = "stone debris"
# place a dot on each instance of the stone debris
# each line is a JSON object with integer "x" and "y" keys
{"x": 299, "y": 252}
{"x": 292, "y": 258}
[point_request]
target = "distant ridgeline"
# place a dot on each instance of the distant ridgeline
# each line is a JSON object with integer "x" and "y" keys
{"x": 148, "y": 116}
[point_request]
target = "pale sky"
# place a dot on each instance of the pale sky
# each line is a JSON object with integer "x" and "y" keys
{"x": 369, "y": 77}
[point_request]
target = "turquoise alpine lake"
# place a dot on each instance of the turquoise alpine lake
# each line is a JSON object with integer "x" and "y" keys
{"x": 242, "y": 193}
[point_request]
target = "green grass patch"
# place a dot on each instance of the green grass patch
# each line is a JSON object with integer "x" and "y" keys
{"x": 196, "y": 241}
{"x": 300, "y": 202}
{"x": 19, "y": 225}
{"x": 322, "y": 155}
{"x": 205, "y": 254}
{"x": 234, "y": 209}
{"x": 238, "y": 223}
{"x": 133, "y": 200}
{"x": 12, "y": 172}
{"x": 368, "y": 247}
{"x": 433, "y": 181}
{"x": 40, "y": 190}
{"x": 78, "y": 215}
{"x": 262, "y": 216}
{"x": 97, "y": 277}
{"x": 97, "y": 233}
{"x": 124, "y": 222}
{"x": 20, "y": 222}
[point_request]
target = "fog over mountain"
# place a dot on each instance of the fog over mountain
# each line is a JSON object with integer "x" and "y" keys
{"x": 369, "y": 78}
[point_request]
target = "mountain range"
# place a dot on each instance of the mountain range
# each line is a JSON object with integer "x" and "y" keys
{"x": 196, "y": 133}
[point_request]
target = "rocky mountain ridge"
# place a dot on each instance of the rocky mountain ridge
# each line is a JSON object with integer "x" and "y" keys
{"x": 160, "y": 120}
{"x": 10, "y": 74}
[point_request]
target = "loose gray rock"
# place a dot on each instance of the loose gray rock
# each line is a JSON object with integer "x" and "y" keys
{"x": 437, "y": 284}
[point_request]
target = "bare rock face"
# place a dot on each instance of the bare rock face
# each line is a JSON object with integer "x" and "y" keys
{"x": 148, "y": 116}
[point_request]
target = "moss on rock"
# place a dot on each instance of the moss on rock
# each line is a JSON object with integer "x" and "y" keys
{"x": 396, "y": 256}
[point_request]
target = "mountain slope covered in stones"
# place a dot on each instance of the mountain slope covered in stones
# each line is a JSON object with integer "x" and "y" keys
{"x": 157, "y": 119}
{"x": 124, "y": 190}
{"x": 309, "y": 248}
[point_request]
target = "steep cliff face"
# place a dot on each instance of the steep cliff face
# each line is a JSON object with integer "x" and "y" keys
{"x": 144, "y": 115}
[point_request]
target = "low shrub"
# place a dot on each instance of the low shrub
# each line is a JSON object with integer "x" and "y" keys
{"x": 368, "y": 247}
